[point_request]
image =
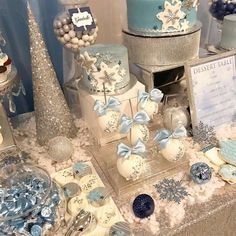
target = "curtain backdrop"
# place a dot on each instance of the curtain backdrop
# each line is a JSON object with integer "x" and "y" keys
{"x": 111, "y": 17}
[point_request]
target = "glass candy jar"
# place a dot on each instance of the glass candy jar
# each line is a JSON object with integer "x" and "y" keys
{"x": 75, "y": 27}
{"x": 221, "y": 8}
{"x": 30, "y": 203}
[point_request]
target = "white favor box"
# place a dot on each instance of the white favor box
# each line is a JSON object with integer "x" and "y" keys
{"x": 89, "y": 115}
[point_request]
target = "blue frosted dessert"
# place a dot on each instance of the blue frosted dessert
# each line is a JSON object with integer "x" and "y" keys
{"x": 161, "y": 16}
{"x": 105, "y": 67}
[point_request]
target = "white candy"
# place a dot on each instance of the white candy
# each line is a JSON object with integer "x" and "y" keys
{"x": 213, "y": 155}
{"x": 62, "y": 40}
{"x": 89, "y": 182}
{"x": 109, "y": 122}
{"x": 151, "y": 108}
{"x": 72, "y": 33}
{"x": 66, "y": 28}
{"x": 64, "y": 176}
{"x": 91, "y": 38}
{"x": 174, "y": 150}
{"x": 107, "y": 216}
{"x": 85, "y": 37}
{"x": 68, "y": 45}
{"x": 75, "y": 41}
{"x": 138, "y": 132}
{"x": 67, "y": 37}
{"x": 87, "y": 44}
{"x": 81, "y": 43}
{"x": 131, "y": 168}
{"x": 76, "y": 204}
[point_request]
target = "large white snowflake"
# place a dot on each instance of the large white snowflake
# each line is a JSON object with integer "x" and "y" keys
{"x": 171, "y": 15}
{"x": 88, "y": 63}
{"x": 108, "y": 75}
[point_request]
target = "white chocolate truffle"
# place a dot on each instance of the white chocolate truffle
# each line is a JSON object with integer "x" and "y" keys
{"x": 91, "y": 38}
{"x": 137, "y": 132}
{"x": 57, "y": 24}
{"x": 68, "y": 45}
{"x": 61, "y": 32}
{"x": 109, "y": 122}
{"x": 131, "y": 168}
{"x": 174, "y": 150}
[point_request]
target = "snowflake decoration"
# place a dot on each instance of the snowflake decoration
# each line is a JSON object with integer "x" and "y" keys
{"x": 88, "y": 62}
{"x": 204, "y": 134}
{"x": 171, "y": 16}
{"x": 171, "y": 190}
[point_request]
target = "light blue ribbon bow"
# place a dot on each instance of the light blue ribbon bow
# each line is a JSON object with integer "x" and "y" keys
{"x": 162, "y": 138}
{"x": 101, "y": 108}
{"x": 126, "y": 122}
{"x": 125, "y": 151}
{"x": 155, "y": 95}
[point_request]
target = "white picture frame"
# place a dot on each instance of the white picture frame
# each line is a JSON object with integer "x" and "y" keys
{"x": 211, "y": 84}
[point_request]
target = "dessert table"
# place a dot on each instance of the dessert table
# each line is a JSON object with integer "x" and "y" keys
{"x": 207, "y": 210}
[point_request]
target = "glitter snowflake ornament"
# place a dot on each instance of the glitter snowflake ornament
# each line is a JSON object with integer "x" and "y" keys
{"x": 171, "y": 190}
{"x": 204, "y": 135}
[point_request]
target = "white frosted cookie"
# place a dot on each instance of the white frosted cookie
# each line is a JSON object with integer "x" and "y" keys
{"x": 89, "y": 182}
{"x": 64, "y": 176}
{"x": 76, "y": 204}
{"x": 107, "y": 216}
{"x": 213, "y": 155}
{"x": 228, "y": 173}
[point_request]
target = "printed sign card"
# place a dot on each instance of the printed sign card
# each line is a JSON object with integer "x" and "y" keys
{"x": 82, "y": 18}
{"x": 212, "y": 90}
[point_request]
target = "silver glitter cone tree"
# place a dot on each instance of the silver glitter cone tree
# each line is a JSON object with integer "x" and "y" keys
{"x": 52, "y": 114}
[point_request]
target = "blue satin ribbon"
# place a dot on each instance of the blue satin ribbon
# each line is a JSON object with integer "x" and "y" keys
{"x": 155, "y": 95}
{"x": 126, "y": 122}
{"x": 162, "y": 138}
{"x": 125, "y": 151}
{"x": 101, "y": 108}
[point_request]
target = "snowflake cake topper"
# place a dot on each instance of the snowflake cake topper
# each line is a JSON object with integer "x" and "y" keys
{"x": 204, "y": 135}
{"x": 171, "y": 190}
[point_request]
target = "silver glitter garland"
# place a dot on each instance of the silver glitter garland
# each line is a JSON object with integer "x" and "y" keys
{"x": 52, "y": 114}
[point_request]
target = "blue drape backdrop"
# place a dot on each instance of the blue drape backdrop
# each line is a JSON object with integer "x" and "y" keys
{"x": 14, "y": 27}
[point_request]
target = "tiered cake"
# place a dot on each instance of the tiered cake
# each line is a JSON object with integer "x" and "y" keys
{"x": 162, "y": 32}
{"x": 161, "y": 16}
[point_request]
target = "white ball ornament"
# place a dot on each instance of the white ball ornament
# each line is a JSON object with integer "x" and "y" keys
{"x": 72, "y": 34}
{"x": 60, "y": 149}
{"x": 81, "y": 43}
{"x": 108, "y": 114}
{"x": 130, "y": 163}
{"x": 85, "y": 37}
{"x": 171, "y": 147}
{"x": 67, "y": 37}
{"x": 75, "y": 41}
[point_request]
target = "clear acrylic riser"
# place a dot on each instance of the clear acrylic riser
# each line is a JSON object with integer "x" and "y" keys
{"x": 157, "y": 166}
